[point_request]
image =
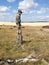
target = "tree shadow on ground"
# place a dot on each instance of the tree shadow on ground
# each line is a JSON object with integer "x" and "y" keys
{"x": 47, "y": 27}
{"x": 26, "y": 41}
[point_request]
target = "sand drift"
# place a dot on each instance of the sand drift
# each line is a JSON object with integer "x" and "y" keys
{"x": 26, "y": 24}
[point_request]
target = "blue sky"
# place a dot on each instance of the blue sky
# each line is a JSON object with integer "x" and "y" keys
{"x": 33, "y": 10}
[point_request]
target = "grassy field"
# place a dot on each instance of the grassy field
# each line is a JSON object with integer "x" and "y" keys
{"x": 35, "y": 41}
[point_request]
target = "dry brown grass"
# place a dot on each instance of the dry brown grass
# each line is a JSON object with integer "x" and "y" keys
{"x": 36, "y": 39}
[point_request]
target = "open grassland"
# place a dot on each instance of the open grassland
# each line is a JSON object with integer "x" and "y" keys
{"x": 35, "y": 42}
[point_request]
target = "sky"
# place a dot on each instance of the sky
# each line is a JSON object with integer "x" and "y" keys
{"x": 33, "y": 10}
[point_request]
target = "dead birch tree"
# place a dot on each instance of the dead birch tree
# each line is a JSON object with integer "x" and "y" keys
{"x": 18, "y": 22}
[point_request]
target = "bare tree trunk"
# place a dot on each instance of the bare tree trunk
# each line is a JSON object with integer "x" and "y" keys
{"x": 19, "y": 35}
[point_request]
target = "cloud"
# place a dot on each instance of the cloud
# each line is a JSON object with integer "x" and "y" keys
{"x": 41, "y": 18}
{"x": 44, "y": 17}
{"x": 42, "y": 10}
{"x": 32, "y": 12}
{"x": 7, "y": 15}
{"x": 10, "y": 0}
{"x": 4, "y": 16}
{"x": 27, "y": 4}
{"x": 4, "y": 13}
{"x": 3, "y": 8}
{"x": 14, "y": 11}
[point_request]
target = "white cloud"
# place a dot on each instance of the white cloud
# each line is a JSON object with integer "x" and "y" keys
{"x": 27, "y": 4}
{"x": 4, "y": 16}
{"x": 38, "y": 18}
{"x": 4, "y": 13}
{"x": 42, "y": 18}
{"x": 14, "y": 11}
{"x": 45, "y": 17}
{"x": 32, "y": 12}
{"x": 7, "y": 16}
{"x": 3, "y": 8}
{"x": 10, "y": 0}
{"x": 42, "y": 10}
